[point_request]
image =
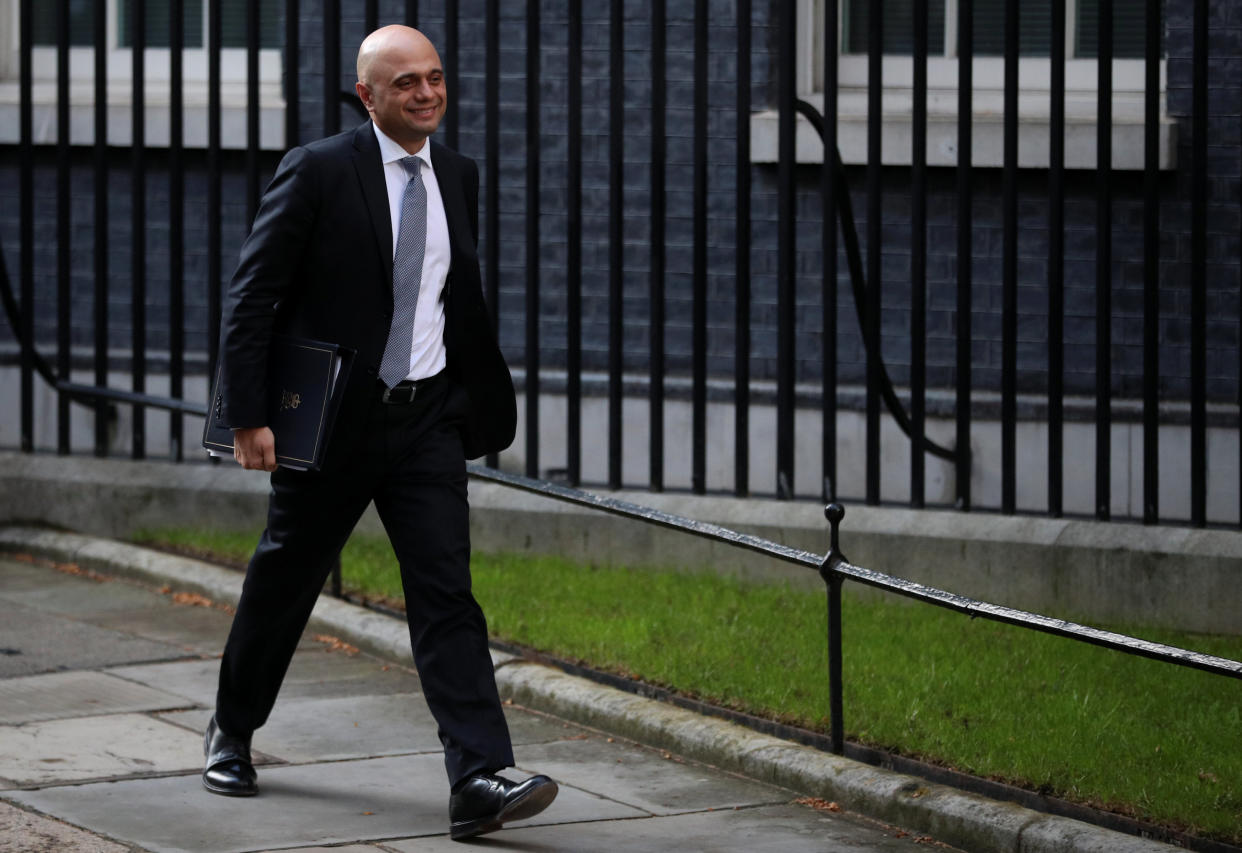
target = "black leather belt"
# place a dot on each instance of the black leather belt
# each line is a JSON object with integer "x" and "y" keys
{"x": 404, "y": 392}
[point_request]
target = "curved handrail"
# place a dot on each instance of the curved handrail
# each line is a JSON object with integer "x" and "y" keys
{"x": 859, "y": 283}
{"x": 85, "y": 395}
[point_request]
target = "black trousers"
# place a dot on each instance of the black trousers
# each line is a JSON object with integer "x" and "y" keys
{"x": 410, "y": 462}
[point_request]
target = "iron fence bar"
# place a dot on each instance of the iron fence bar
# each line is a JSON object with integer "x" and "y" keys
{"x": 918, "y": 259}
{"x": 698, "y": 334}
{"x": 836, "y": 687}
{"x": 787, "y": 247}
{"x": 741, "y": 311}
{"x": 848, "y": 571}
{"x": 252, "y": 112}
{"x": 176, "y": 224}
{"x": 411, "y": 13}
{"x": 26, "y": 204}
{"x": 491, "y": 147}
{"x": 573, "y": 253}
{"x": 1151, "y": 269}
{"x": 99, "y": 308}
{"x": 833, "y": 580}
{"x": 293, "y": 46}
{"x": 1198, "y": 268}
{"x": 452, "y": 36}
{"x": 214, "y": 225}
{"x": 1056, "y": 263}
{"x": 331, "y": 66}
{"x": 532, "y": 240}
{"x": 875, "y": 231}
{"x": 655, "y": 335}
{"x": 64, "y": 323}
{"x": 1104, "y": 264}
{"x": 138, "y": 226}
{"x": 1009, "y": 264}
{"x": 965, "y": 101}
{"x": 370, "y": 17}
{"x": 616, "y": 213}
{"x": 828, "y": 188}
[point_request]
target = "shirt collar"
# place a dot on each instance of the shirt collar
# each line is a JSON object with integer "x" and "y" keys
{"x": 391, "y": 151}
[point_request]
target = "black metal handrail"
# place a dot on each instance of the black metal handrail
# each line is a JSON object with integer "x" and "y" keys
{"x": 834, "y": 568}
{"x": 858, "y": 281}
{"x": 84, "y": 394}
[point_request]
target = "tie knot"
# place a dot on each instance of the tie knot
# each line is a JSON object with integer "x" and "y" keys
{"x": 412, "y": 165}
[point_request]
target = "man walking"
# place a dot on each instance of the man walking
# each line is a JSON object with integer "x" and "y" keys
{"x": 368, "y": 239}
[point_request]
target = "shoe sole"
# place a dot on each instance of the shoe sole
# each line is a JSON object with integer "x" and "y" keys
{"x": 530, "y": 805}
{"x": 226, "y": 792}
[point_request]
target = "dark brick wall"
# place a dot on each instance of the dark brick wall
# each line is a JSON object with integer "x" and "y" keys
{"x": 1223, "y": 250}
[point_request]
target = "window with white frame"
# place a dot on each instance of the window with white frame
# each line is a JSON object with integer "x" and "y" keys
{"x": 157, "y": 61}
{"x": 1034, "y": 73}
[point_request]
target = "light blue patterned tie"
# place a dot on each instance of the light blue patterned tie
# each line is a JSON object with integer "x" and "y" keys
{"x": 407, "y": 274}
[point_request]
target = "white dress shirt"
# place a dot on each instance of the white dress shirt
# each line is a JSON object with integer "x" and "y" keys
{"x": 427, "y": 356}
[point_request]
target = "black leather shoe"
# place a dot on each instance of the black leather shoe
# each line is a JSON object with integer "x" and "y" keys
{"x": 228, "y": 770}
{"x": 484, "y": 802}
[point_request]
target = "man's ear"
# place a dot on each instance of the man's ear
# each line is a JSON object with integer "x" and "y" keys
{"x": 364, "y": 94}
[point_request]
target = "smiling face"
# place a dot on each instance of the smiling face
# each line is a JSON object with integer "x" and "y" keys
{"x": 401, "y": 83}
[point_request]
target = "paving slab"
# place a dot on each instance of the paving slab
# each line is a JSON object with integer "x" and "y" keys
{"x": 771, "y": 829}
{"x": 24, "y": 832}
{"x": 56, "y": 695}
{"x": 646, "y": 777}
{"x": 313, "y": 672}
{"x": 194, "y": 630}
{"x": 21, "y": 576}
{"x": 33, "y": 641}
{"x": 345, "y": 727}
{"x": 298, "y": 805}
{"x": 81, "y": 595}
{"x": 60, "y": 751}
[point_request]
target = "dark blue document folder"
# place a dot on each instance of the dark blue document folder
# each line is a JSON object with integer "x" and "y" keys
{"x": 305, "y": 380}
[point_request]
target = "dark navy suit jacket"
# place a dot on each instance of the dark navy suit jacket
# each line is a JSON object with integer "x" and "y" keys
{"x": 318, "y": 263}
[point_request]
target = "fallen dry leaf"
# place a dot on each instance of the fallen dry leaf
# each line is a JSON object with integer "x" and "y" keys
{"x": 192, "y": 599}
{"x": 335, "y": 644}
{"x": 818, "y": 803}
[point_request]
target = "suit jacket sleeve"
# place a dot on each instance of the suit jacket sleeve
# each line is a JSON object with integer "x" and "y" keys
{"x": 269, "y": 257}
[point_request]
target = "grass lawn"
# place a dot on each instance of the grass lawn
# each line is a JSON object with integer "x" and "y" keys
{"x": 1154, "y": 741}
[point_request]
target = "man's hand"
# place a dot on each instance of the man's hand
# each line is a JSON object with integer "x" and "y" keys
{"x": 255, "y": 448}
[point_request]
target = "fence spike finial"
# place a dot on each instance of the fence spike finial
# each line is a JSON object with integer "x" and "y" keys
{"x": 834, "y": 512}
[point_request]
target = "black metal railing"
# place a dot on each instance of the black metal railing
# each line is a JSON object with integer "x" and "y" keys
{"x": 835, "y": 570}
{"x": 678, "y": 267}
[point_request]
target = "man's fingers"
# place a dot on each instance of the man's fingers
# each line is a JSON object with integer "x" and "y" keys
{"x": 255, "y": 448}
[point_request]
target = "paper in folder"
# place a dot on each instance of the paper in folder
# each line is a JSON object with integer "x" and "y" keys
{"x": 305, "y": 381}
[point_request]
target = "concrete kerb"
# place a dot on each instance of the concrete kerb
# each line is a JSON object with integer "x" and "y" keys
{"x": 961, "y": 819}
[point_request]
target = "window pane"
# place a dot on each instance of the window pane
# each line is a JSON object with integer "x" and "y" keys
{"x": 233, "y": 23}
{"x": 898, "y": 26}
{"x": 157, "y": 18}
{"x": 1129, "y": 29}
{"x": 81, "y": 22}
{"x": 1034, "y": 27}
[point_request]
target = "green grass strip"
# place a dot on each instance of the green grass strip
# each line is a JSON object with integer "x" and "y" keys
{"x": 1150, "y": 740}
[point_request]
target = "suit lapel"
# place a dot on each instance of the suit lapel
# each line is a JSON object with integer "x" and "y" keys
{"x": 370, "y": 171}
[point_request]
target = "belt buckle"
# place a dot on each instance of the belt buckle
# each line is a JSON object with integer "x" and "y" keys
{"x": 387, "y": 396}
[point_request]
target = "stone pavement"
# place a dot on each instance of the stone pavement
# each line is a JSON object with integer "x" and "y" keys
{"x": 108, "y": 660}
{"x": 107, "y": 685}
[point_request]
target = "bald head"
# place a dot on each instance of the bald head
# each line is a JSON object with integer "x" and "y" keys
{"x": 401, "y": 83}
{"x": 387, "y": 42}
